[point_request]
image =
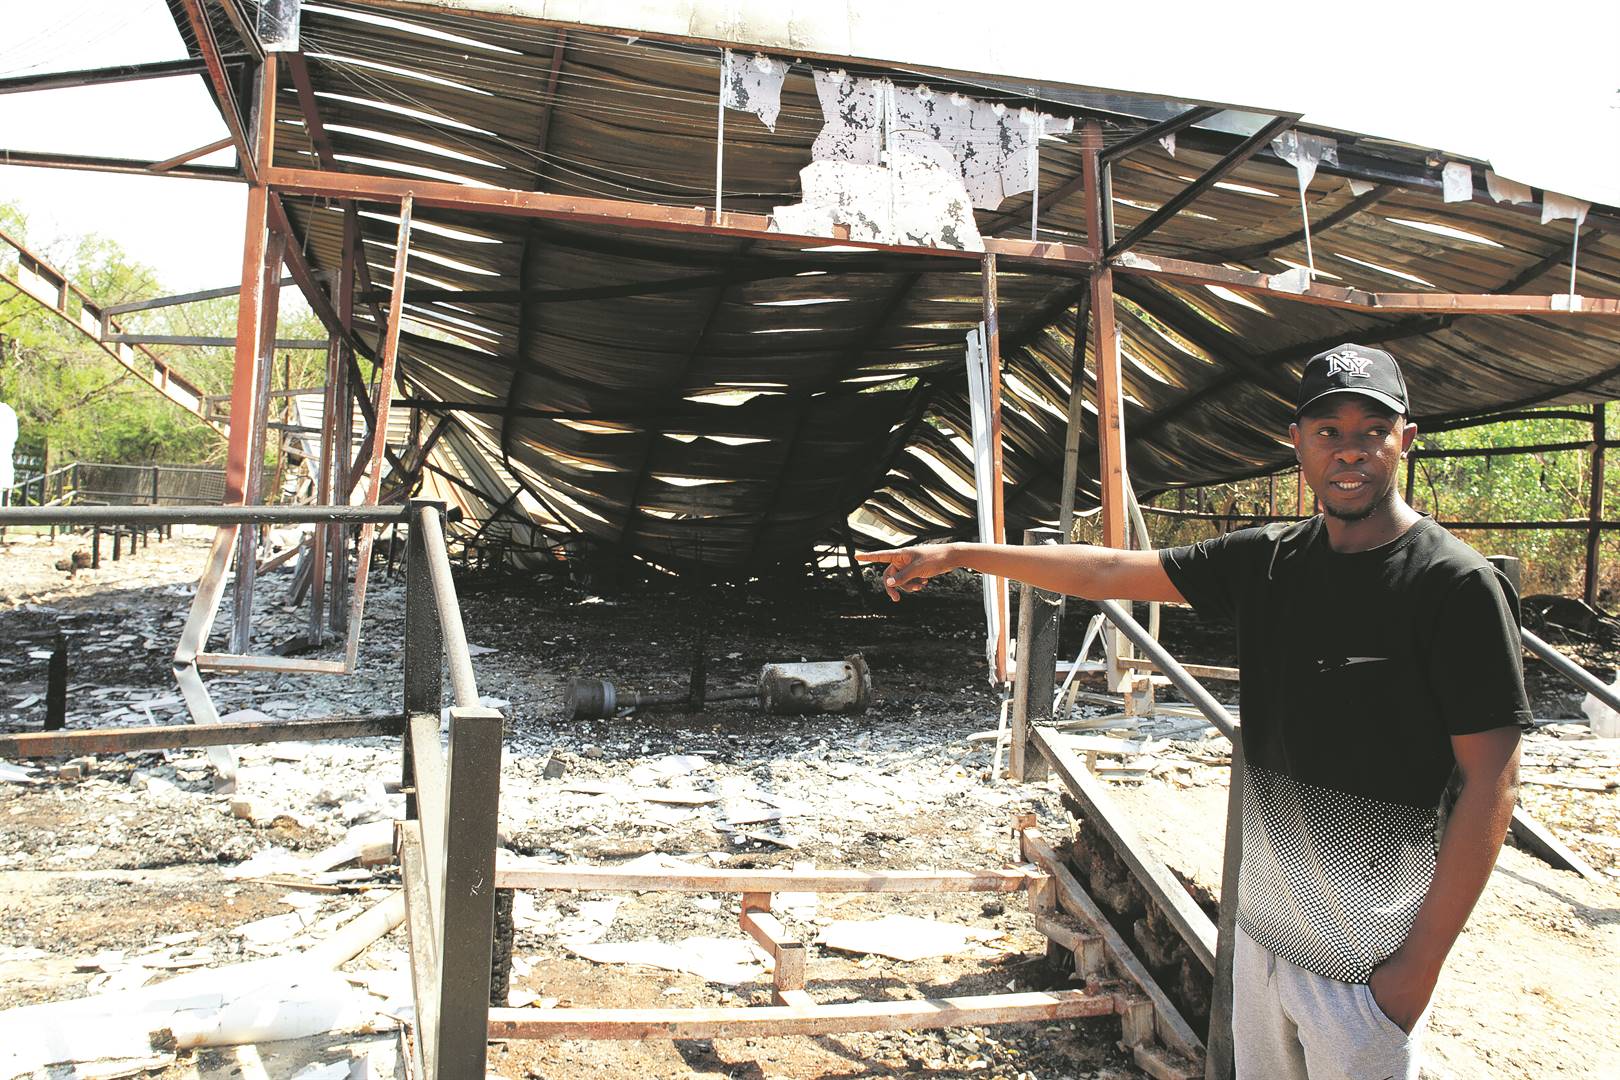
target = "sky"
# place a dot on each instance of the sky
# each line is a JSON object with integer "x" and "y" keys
{"x": 190, "y": 231}
{"x": 1534, "y": 89}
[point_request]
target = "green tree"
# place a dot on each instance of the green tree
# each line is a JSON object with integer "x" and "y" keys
{"x": 73, "y": 398}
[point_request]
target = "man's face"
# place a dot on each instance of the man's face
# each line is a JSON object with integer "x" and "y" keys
{"x": 1349, "y": 449}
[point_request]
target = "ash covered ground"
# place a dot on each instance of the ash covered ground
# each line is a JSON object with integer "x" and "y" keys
{"x": 128, "y": 869}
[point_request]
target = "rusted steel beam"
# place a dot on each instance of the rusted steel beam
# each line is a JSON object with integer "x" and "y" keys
{"x": 299, "y": 344}
{"x": 1112, "y": 153}
{"x": 1217, "y": 172}
{"x": 298, "y": 71}
{"x": 542, "y": 131}
{"x": 44, "y": 159}
{"x": 249, "y": 333}
{"x": 1505, "y": 451}
{"x": 1556, "y": 257}
{"x": 257, "y": 426}
{"x": 173, "y": 301}
{"x": 1202, "y": 273}
{"x": 1432, "y": 427}
{"x": 623, "y": 212}
{"x": 773, "y": 1020}
{"x": 189, "y": 155}
{"x": 1105, "y": 356}
{"x": 1073, "y": 425}
{"x": 79, "y": 517}
{"x": 185, "y": 736}
{"x": 213, "y": 60}
{"x": 741, "y": 272}
{"x": 1266, "y": 247}
{"x": 119, "y": 73}
{"x": 1131, "y": 143}
{"x": 1595, "y": 503}
{"x": 388, "y": 353}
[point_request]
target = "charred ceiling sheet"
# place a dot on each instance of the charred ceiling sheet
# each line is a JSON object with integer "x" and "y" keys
{"x": 700, "y": 400}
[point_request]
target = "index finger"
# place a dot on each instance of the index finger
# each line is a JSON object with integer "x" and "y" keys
{"x": 880, "y": 556}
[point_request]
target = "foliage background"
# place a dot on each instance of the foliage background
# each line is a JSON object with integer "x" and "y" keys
{"x": 74, "y": 402}
{"x": 1545, "y": 486}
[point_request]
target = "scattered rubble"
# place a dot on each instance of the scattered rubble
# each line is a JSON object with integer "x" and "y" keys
{"x": 121, "y": 872}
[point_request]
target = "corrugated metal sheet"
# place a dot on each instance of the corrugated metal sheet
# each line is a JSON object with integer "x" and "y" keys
{"x": 694, "y": 399}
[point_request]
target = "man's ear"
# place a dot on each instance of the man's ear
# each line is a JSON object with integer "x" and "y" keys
{"x": 1293, "y": 435}
{"x": 1408, "y": 434}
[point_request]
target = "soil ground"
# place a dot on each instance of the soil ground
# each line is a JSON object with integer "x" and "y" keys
{"x": 142, "y": 848}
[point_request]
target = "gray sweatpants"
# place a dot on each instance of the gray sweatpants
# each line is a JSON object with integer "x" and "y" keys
{"x": 1292, "y": 1024}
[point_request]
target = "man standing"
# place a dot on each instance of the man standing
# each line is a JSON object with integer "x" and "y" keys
{"x": 1379, "y": 660}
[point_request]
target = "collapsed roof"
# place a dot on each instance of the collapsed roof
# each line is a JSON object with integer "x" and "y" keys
{"x": 700, "y": 399}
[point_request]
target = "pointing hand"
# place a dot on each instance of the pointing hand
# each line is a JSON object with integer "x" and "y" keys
{"x": 909, "y": 568}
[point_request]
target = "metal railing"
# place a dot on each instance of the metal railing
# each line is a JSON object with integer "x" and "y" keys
{"x": 1218, "y": 1057}
{"x": 448, "y": 839}
{"x": 447, "y": 842}
{"x": 114, "y": 484}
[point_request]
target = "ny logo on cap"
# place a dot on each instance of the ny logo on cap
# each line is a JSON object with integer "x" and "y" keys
{"x": 1349, "y": 364}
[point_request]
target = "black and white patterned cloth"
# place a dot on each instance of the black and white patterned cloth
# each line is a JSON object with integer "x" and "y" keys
{"x": 1358, "y": 671}
{"x": 1331, "y": 881}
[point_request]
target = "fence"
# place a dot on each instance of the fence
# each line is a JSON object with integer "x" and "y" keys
{"x": 1199, "y": 504}
{"x": 107, "y": 484}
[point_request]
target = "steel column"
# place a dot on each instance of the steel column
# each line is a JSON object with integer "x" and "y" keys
{"x": 257, "y": 426}
{"x": 1594, "y": 534}
{"x": 1038, "y": 614}
{"x": 467, "y": 922}
{"x": 424, "y": 644}
{"x": 1071, "y": 436}
{"x": 343, "y": 416}
{"x": 387, "y": 356}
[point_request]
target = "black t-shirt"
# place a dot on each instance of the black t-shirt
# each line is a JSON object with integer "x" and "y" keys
{"x": 1357, "y": 668}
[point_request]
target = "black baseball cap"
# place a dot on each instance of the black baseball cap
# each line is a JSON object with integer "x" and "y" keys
{"x": 1353, "y": 369}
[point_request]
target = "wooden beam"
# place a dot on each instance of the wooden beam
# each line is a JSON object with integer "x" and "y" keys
{"x": 185, "y": 736}
{"x": 777, "y": 1020}
{"x": 422, "y": 939}
{"x": 1543, "y": 843}
{"x": 1072, "y": 898}
{"x": 1150, "y": 872}
{"x": 787, "y": 953}
{"x": 1197, "y": 671}
{"x": 1217, "y": 172}
{"x": 629, "y": 879}
{"x": 378, "y": 444}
